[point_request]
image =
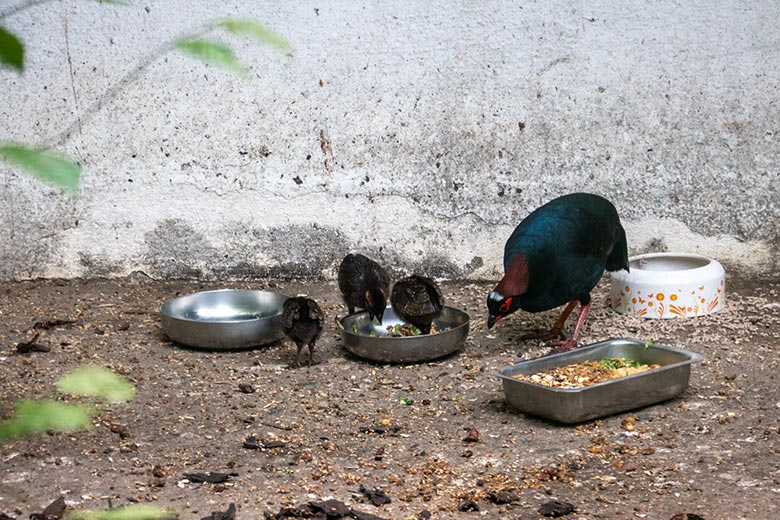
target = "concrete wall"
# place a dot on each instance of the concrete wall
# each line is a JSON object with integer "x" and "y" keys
{"x": 420, "y": 132}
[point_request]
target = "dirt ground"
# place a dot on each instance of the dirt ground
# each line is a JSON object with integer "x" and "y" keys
{"x": 342, "y": 424}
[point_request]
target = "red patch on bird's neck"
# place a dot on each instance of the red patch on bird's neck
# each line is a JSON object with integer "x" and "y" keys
{"x": 515, "y": 280}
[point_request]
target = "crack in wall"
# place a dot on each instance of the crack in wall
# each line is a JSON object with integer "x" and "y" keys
{"x": 21, "y": 7}
{"x": 549, "y": 66}
{"x": 113, "y": 92}
{"x": 71, "y": 73}
{"x": 391, "y": 195}
{"x": 327, "y": 150}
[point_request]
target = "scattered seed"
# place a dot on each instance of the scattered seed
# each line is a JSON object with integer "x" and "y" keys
{"x": 472, "y": 435}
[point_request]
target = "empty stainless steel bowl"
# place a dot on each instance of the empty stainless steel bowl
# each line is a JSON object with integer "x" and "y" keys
{"x": 224, "y": 319}
{"x": 369, "y": 339}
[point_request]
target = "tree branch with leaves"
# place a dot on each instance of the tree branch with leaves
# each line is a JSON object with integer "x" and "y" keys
{"x": 61, "y": 171}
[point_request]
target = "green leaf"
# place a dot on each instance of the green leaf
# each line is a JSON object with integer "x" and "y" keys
{"x": 134, "y": 512}
{"x": 617, "y": 362}
{"x": 407, "y": 401}
{"x": 211, "y": 53}
{"x": 95, "y": 381}
{"x": 11, "y": 50}
{"x": 39, "y": 416}
{"x": 48, "y": 167}
{"x": 258, "y": 31}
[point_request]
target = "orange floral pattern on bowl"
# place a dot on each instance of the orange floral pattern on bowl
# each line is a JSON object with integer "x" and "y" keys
{"x": 698, "y": 302}
{"x": 683, "y": 298}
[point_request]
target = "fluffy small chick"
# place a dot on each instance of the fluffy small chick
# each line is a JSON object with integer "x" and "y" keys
{"x": 302, "y": 321}
{"x": 364, "y": 284}
{"x": 418, "y": 300}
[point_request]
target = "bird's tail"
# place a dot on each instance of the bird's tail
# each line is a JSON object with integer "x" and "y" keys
{"x": 618, "y": 258}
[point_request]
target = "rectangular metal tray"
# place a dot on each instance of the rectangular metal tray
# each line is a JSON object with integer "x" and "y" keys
{"x": 573, "y": 405}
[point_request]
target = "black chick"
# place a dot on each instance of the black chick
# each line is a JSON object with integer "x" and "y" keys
{"x": 302, "y": 321}
{"x": 418, "y": 301}
{"x": 557, "y": 255}
{"x": 364, "y": 284}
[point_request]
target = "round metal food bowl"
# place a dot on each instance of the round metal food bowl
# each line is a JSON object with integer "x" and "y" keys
{"x": 669, "y": 285}
{"x": 225, "y": 319}
{"x": 367, "y": 339}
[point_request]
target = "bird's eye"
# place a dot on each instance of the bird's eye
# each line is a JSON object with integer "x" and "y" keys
{"x": 505, "y": 306}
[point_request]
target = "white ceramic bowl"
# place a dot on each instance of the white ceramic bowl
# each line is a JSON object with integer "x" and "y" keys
{"x": 669, "y": 285}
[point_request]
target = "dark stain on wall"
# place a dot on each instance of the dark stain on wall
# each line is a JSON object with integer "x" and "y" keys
{"x": 175, "y": 250}
{"x": 97, "y": 267}
{"x": 30, "y": 234}
{"x": 300, "y": 251}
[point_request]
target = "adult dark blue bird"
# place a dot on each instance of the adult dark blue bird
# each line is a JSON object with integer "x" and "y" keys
{"x": 556, "y": 256}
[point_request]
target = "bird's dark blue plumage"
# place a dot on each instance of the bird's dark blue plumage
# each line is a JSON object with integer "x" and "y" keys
{"x": 557, "y": 255}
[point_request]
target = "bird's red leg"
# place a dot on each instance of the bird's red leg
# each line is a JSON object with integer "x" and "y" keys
{"x": 569, "y": 344}
{"x": 556, "y": 332}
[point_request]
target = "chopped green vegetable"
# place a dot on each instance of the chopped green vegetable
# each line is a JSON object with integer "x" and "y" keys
{"x": 615, "y": 363}
{"x": 397, "y": 330}
{"x": 649, "y": 343}
{"x": 407, "y": 401}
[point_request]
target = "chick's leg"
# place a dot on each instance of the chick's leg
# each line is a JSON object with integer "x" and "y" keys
{"x": 297, "y": 361}
{"x": 311, "y": 353}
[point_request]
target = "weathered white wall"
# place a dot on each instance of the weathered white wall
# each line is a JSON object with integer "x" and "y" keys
{"x": 420, "y": 132}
